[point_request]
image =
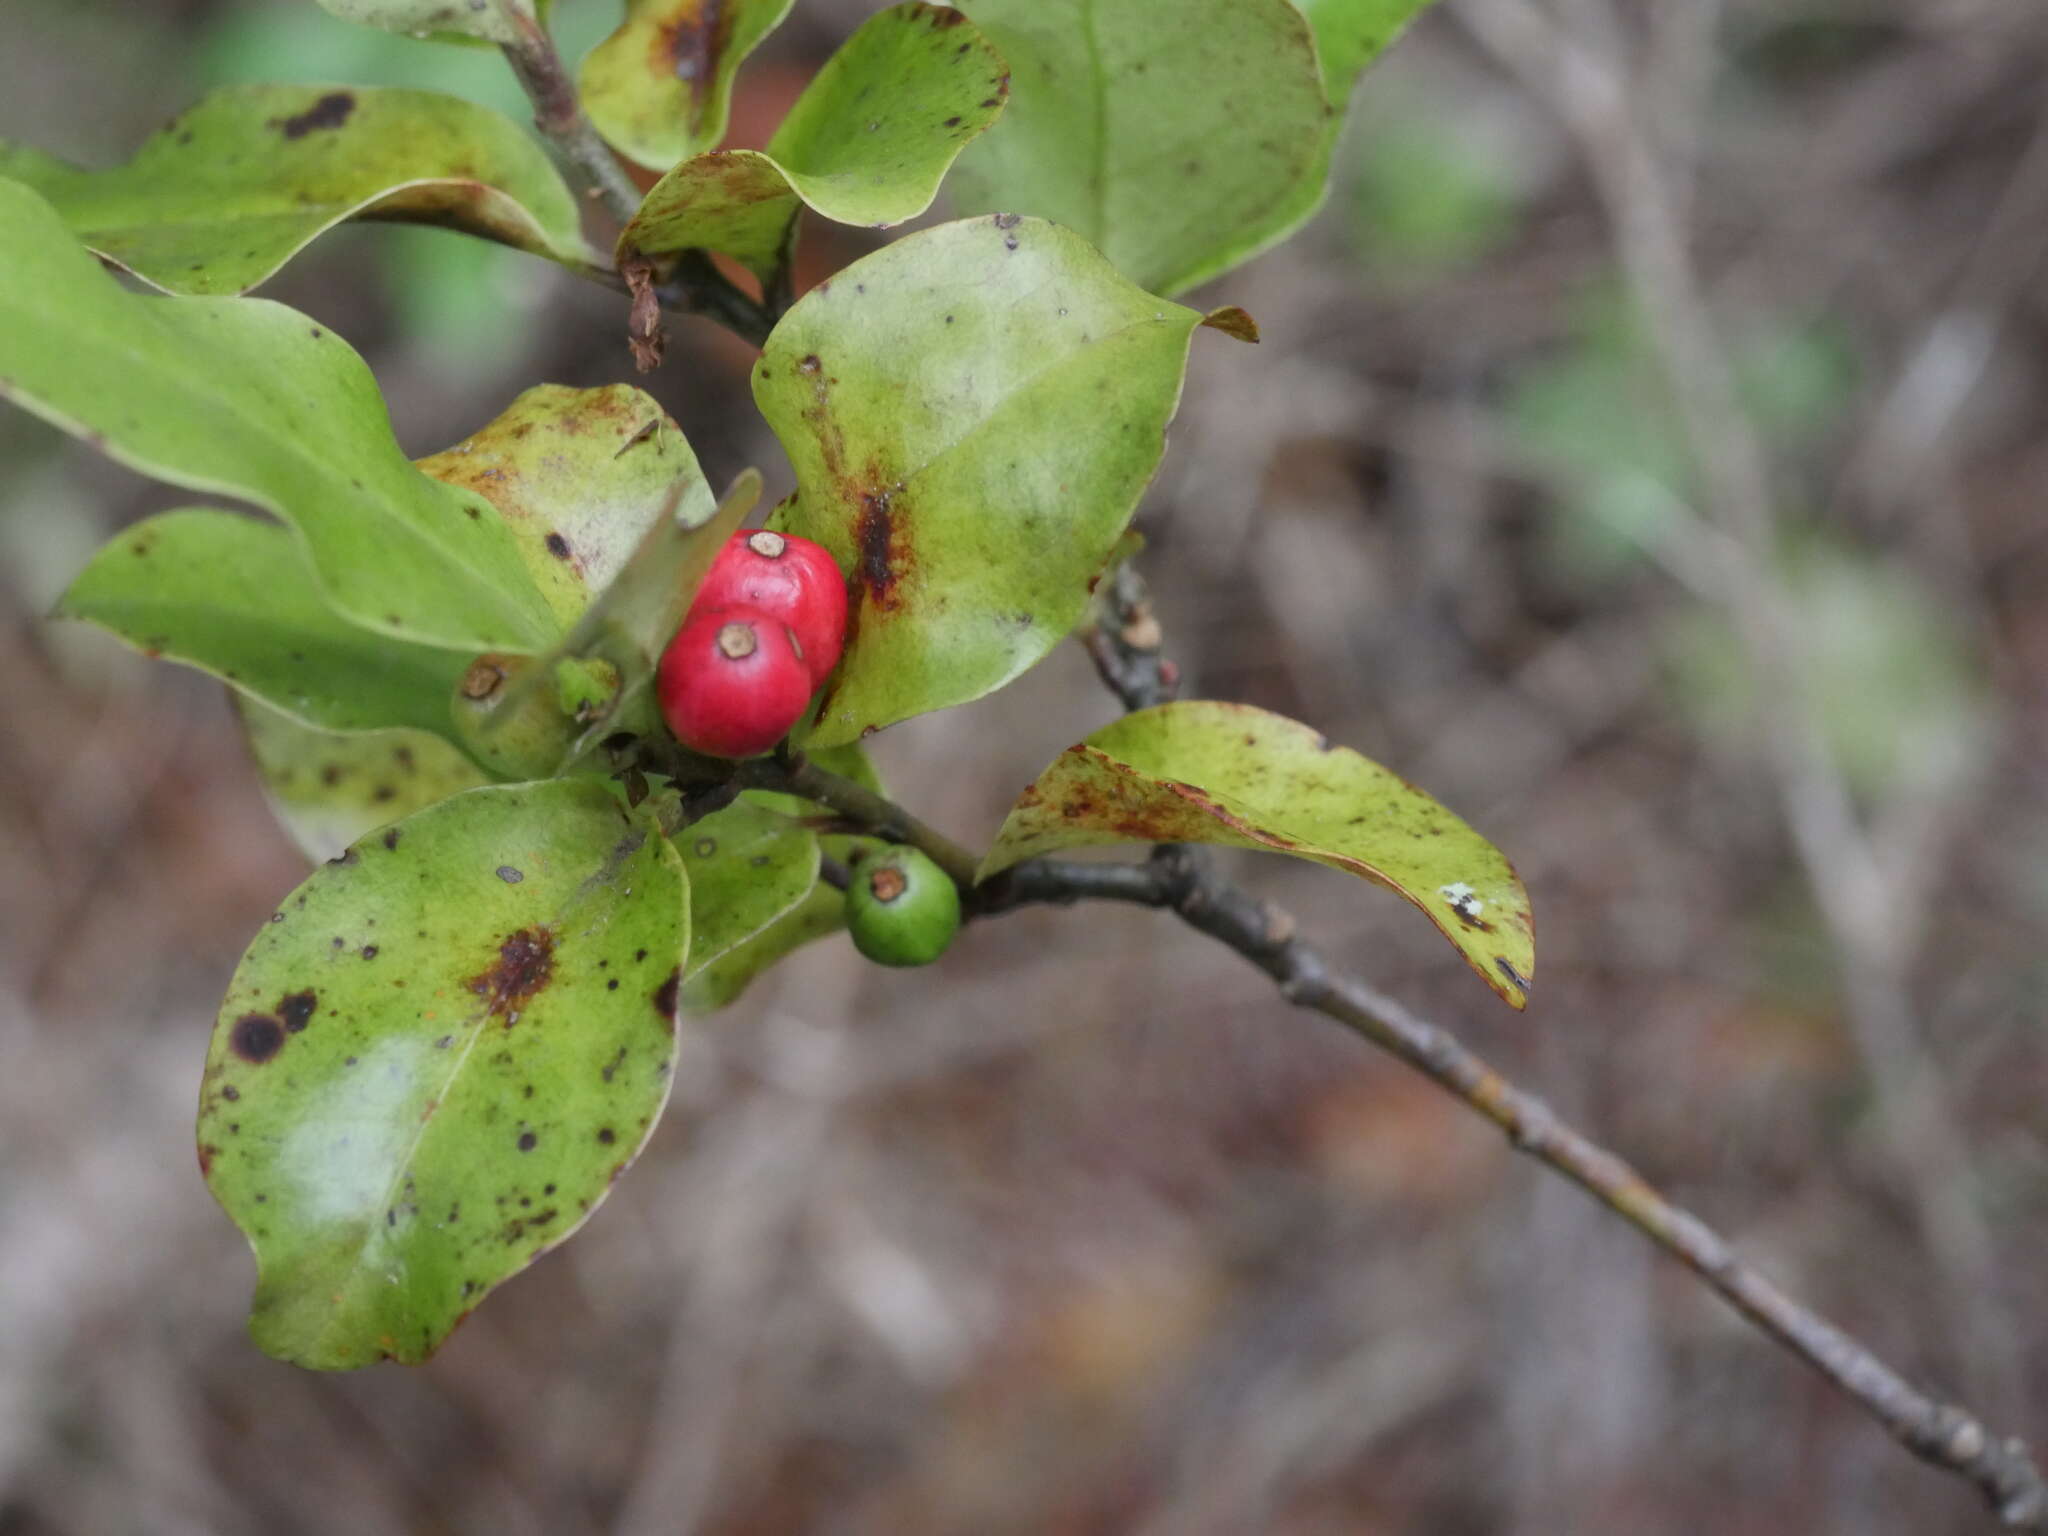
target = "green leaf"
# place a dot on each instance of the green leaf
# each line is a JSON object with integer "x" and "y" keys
{"x": 1161, "y": 135}
{"x": 579, "y": 476}
{"x": 972, "y": 414}
{"x": 435, "y": 1058}
{"x": 660, "y": 87}
{"x": 246, "y": 398}
{"x": 748, "y": 865}
{"x": 1349, "y": 34}
{"x": 328, "y": 788}
{"x": 491, "y": 21}
{"x": 820, "y": 913}
{"x": 231, "y": 190}
{"x": 867, "y": 143}
{"x": 233, "y": 596}
{"x": 1202, "y": 772}
{"x": 1180, "y": 141}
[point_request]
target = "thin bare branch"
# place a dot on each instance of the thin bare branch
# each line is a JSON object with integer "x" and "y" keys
{"x": 694, "y": 285}
{"x": 1125, "y": 643}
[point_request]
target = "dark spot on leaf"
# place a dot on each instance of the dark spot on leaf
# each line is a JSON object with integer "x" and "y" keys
{"x": 330, "y": 111}
{"x": 557, "y": 546}
{"x": 606, "y": 1136}
{"x": 510, "y": 875}
{"x": 610, "y": 1068}
{"x": 345, "y": 858}
{"x": 875, "y": 536}
{"x": 369, "y": 951}
{"x": 207, "y": 1153}
{"x": 524, "y": 967}
{"x": 952, "y": 122}
{"x": 1004, "y": 220}
{"x": 391, "y": 840}
{"x": 296, "y": 1009}
{"x": 612, "y": 985}
{"x": 665, "y": 995}
{"x": 382, "y": 793}
{"x": 528, "y": 1141}
{"x": 1515, "y": 978}
{"x": 639, "y": 954}
{"x": 231, "y": 1093}
{"x": 688, "y": 46}
{"x": 256, "y": 1037}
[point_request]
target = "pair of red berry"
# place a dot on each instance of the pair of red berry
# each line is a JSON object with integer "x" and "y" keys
{"x": 764, "y": 630}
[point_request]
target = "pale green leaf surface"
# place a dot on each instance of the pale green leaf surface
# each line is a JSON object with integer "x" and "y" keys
{"x": 435, "y": 1058}
{"x": 230, "y": 190}
{"x": 1205, "y": 772}
{"x": 491, "y": 21}
{"x": 246, "y": 398}
{"x": 233, "y": 596}
{"x": 660, "y": 87}
{"x": 1182, "y": 141}
{"x": 820, "y": 913}
{"x": 868, "y": 142}
{"x": 748, "y": 865}
{"x": 972, "y": 414}
{"x": 580, "y": 476}
{"x": 328, "y": 788}
{"x": 1349, "y": 34}
{"x": 1162, "y": 135}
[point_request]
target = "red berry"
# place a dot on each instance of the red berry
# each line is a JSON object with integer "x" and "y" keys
{"x": 732, "y": 682}
{"x": 788, "y": 578}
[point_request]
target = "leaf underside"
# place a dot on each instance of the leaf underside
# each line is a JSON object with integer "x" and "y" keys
{"x": 233, "y": 188}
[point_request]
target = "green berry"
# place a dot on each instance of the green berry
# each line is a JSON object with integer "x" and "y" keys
{"x": 901, "y": 908}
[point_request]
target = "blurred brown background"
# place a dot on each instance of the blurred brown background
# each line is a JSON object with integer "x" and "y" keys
{"x": 1084, "y": 1231}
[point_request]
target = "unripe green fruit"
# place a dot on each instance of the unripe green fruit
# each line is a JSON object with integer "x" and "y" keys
{"x": 901, "y": 908}
{"x": 528, "y": 743}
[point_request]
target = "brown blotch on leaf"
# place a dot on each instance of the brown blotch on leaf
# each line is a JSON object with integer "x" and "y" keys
{"x": 688, "y": 47}
{"x": 881, "y": 557}
{"x": 296, "y": 1009}
{"x": 207, "y": 1153}
{"x": 256, "y": 1037}
{"x": 330, "y": 111}
{"x": 665, "y": 995}
{"x": 523, "y": 969}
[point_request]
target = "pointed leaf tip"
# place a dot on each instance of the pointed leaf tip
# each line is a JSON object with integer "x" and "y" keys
{"x": 1206, "y": 772}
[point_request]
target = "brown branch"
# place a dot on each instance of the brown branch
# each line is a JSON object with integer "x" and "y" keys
{"x": 695, "y": 285}
{"x": 558, "y": 114}
{"x": 1125, "y": 643}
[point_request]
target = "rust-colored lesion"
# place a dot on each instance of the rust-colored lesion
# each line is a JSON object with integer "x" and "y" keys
{"x": 689, "y": 41}
{"x": 524, "y": 967}
{"x": 881, "y": 545}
